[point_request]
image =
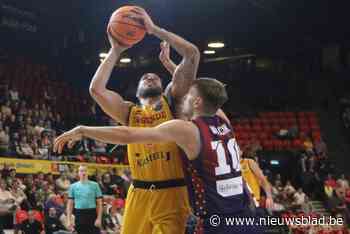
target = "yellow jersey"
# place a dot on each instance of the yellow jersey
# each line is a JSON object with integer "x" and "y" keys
{"x": 250, "y": 179}
{"x": 153, "y": 162}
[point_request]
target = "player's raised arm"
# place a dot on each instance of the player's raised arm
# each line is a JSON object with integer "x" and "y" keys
{"x": 186, "y": 71}
{"x": 183, "y": 133}
{"x": 110, "y": 102}
{"x": 164, "y": 57}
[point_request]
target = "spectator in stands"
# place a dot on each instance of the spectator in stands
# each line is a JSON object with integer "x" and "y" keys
{"x": 307, "y": 207}
{"x": 337, "y": 204}
{"x": 7, "y": 200}
{"x": 4, "y": 139}
{"x": 108, "y": 187}
{"x": 52, "y": 222}
{"x": 299, "y": 197}
{"x": 24, "y": 149}
{"x": 343, "y": 182}
{"x": 64, "y": 220}
{"x": 99, "y": 148}
{"x": 14, "y": 96}
{"x": 18, "y": 193}
{"x": 308, "y": 146}
{"x": 63, "y": 183}
{"x": 289, "y": 189}
{"x": 40, "y": 179}
{"x": 108, "y": 226}
{"x": 11, "y": 178}
{"x": 13, "y": 124}
{"x": 346, "y": 118}
{"x": 6, "y": 109}
{"x": 31, "y": 225}
{"x": 321, "y": 148}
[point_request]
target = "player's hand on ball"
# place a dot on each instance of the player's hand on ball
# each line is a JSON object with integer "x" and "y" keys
{"x": 146, "y": 19}
{"x": 164, "y": 54}
{"x": 115, "y": 44}
{"x": 69, "y": 138}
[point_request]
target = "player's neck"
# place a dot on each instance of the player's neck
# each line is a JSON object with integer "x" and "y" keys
{"x": 151, "y": 101}
{"x": 202, "y": 114}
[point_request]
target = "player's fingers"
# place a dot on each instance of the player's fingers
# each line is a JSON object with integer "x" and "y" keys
{"x": 56, "y": 143}
{"x": 162, "y": 45}
{"x": 71, "y": 144}
{"x": 137, "y": 11}
{"x": 166, "y": 45}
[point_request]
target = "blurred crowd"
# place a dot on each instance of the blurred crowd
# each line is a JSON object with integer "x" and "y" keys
{"x": 42, "y": 198}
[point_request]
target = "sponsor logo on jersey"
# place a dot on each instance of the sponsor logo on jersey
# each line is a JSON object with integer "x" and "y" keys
{"x": 153, "y": 157}
{"x": 139, "y": 119}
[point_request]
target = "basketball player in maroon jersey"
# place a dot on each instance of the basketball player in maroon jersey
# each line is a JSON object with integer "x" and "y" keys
{"x": 212, "y": 164}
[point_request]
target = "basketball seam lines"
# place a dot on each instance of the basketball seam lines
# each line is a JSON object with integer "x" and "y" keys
{"x": 122, "y": 22}
{"x": 121, "y": 35}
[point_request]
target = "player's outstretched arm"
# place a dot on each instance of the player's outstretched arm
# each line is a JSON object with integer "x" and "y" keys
{"x": 110, "y": 102}
{"x": 263, "y": 182}
{"x": 183, "y": 133}
{"x": 186, "y": 71}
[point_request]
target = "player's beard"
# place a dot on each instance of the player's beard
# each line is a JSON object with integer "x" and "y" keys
{"x": 149, "y": 92}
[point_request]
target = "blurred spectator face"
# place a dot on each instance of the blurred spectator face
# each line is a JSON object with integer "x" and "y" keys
{"x": 29, "y": 121}
{"x": 50, "y": 177}
{"x": 23, "y": 104}
{"x": 329, "y": 177}
{"x": 30, "y": 112}
{"x": 31, "y": 216}
{"x": 300, "y": 190}
{"x": 64, "y": 176}
{"x": 13, "y": 118}
{"x": 16, "y": 185}
{"x": 36, "y": 106}
{"x": 2, "y": 184}
{"x": 52, "y": 212}
{"x": 24, "y": 140}
{"x": 7, "y": 130}
{"x": 29, "y": 178}
{"x": 13, "y": 173}
{"x": 41, "y": 176}
{"x": 107, "y": 178}
{"x": 36, "y": 113}
{"x": 20, "y": 118}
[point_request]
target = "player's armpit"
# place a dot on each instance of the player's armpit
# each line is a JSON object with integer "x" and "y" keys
{"x": 113, "y": 105}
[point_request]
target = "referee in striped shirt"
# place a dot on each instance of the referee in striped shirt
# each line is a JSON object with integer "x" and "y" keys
{"x": 86, "y": 196}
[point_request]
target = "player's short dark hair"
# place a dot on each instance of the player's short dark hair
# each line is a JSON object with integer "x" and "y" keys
{"x": 213, "y": 93}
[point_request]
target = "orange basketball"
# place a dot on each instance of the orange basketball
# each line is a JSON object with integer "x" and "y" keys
{"x": 125, "y": 29}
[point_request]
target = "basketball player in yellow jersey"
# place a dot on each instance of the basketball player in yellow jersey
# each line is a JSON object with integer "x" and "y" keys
{"x": 255, "y": 179}
{"x": 157, "y": 202}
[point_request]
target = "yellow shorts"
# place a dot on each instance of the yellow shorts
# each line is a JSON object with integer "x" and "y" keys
{"x": 163, "y": 211}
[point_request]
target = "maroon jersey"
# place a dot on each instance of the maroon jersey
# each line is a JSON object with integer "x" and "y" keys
{"x": 214, "y": 178}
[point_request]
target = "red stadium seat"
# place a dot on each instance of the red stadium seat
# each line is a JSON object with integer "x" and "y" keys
{"x": 297, "y": 144}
